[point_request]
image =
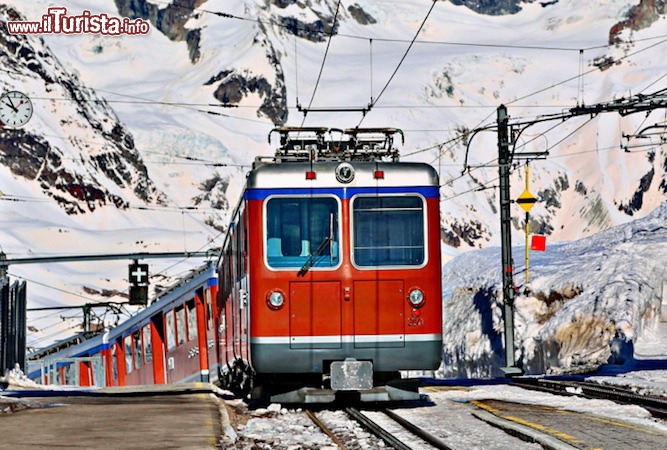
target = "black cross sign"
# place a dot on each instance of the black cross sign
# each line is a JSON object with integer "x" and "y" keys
{"x": 138, "y": 273}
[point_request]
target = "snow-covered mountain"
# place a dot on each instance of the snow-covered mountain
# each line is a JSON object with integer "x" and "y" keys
{"x": 588, "y": 301}
{"x": 77, "y": 150}
{"x": 141, "y": 142}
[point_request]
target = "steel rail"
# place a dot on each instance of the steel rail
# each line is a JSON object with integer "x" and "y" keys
{"x": 655, "y": 405}
{"x": 417, "y": 431}
{"x": 376, "y": 429}
{"x": 325, "y": 429}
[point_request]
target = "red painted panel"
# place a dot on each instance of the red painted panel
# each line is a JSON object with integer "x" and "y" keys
{"x": 378, "y": 307}
{"x": 201, "y": 331}
{"x": 120, "y": 358}
{"x": 85, "y": 374}
{"x": 315, "y": 308}
{"x": 158, "y": 346}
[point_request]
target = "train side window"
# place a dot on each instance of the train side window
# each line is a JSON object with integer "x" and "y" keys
{"x": 71, "y": 374}
{"x": 98, "y": 371}
{"x": 114, "y": 361}
{"x": 180, "y": 325}
{"x": 128, "y": 354}
{"x": 388, "y": 231}
{"x": 299, "y": 229}
{"x": 171, "y": 330}
{"x": 148, "y": 348}
{"x": 137, "y": 349}
{"x": 209, "y": 309}
{"x": 192, "y": 320}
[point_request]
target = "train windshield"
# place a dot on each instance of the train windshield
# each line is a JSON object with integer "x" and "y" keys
{"x": 302, "y": 231}
{"x": 388, "y": 231}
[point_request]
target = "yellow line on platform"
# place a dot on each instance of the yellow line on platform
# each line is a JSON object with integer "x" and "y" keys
{"x": 445, "y": 388}
{"x": 624, "y": 425}
{"x": 542, "y": 428}
{"x": 559, "y": 434}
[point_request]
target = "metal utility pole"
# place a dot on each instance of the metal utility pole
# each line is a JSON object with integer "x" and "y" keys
{"x": 506, "y": 156}
{"x": 504, "y": 161}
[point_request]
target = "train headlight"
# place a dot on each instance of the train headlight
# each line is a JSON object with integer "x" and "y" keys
{"x": 416, "y": 297}
{"x": 275, "y": 299}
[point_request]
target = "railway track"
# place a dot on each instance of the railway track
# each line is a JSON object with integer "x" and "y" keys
{"x": 466, "y": 422}
{"x": 419, "y": 438}
{"x": 657, "y": 406}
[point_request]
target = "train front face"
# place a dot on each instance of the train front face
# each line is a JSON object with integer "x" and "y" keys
{"x": 344, "y": 265}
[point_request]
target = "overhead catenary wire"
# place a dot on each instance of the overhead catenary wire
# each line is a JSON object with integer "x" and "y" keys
{"x": 487, "y": 185}
{"x": 490, "y": 45}
{"x": 550, "y": 87}
{"x": 595, "y": 69}
{"x": 324, "y": 59}
{"x": 398, "y": 66}
{"x": 92, "y": 301}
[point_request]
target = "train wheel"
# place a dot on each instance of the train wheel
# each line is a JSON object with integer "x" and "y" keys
{"x": 225, "y": 377}
{"x": 243, "y": 379}
{"x": 237, "y": 378}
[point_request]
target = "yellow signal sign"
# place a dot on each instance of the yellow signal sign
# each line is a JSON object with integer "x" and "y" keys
{"x": 526, "y": 200}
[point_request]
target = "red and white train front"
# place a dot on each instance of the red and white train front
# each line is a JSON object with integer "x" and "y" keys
{"x": 337, "y": 274}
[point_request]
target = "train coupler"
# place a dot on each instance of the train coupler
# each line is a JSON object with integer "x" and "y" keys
{"x": 351, "y": 375}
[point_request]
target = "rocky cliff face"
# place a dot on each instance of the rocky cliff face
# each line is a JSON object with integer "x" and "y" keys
{"x": 105, "y": 169}
{"x": 170, "y": 20}
{"x": 496, "y": 7}
{"x": 639, "y": 16}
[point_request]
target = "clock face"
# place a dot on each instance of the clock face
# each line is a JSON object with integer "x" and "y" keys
{"x": 15, "y": 109}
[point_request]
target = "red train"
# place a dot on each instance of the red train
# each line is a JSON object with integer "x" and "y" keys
{"x": 329, "y": 280}
{"x": 172, "y": 340}
{"x": 330, "y": 276}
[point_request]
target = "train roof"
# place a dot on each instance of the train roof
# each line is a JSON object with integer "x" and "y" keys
{"x": 186, "y": 286}
{"x": 296, "y": 175}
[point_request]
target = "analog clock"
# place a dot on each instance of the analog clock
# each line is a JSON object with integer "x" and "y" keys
{"x": 15, "y": 109}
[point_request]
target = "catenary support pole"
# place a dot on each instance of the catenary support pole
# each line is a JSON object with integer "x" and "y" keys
{"x": 504, "y": 161}
{"x": 526, "y": 289}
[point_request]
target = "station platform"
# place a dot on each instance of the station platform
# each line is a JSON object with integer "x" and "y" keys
{"x": 187, "y": 416}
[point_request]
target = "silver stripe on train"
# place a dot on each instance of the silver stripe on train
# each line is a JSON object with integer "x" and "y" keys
{"x": 347, "y": 339}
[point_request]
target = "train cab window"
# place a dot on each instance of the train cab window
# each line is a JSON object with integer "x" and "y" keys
{"x": 180, "y": 325}
{"x": 388, "y": 231}
{"x": 128, "y": 354}
{"x": 302, "y": 230}
{"x": 148, "y": 348}
{"x": 192, "y": 320}
{"x": 171, "y": 330}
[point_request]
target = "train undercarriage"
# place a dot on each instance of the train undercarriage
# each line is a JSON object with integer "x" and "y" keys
{"x": 349, "y": 380}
